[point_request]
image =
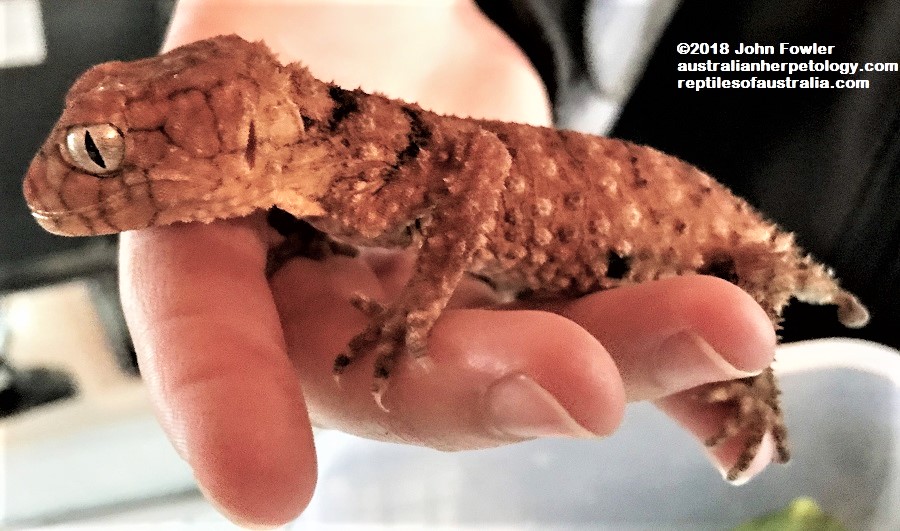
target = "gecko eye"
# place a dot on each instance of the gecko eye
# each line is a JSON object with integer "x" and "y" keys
{"x": 96, "y": 149}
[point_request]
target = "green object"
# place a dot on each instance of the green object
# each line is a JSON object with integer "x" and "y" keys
{"x": 803, "y": 514}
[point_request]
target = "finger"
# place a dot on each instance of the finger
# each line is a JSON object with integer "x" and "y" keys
{"x": 212, "y": 353}
{"x": 490, "y": 377}
{"x": 393, "y": 270}
{"x": 675, "y": 334}
{"x": 671, "y": 336}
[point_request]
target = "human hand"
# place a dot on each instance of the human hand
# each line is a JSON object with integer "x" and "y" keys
{"x": 239, "y": 366}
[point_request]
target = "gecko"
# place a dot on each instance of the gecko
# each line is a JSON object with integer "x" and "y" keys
{"x": 220, "y": 128}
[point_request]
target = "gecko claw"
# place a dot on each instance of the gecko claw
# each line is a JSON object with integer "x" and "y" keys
{"x": 383, "y": 365}
{"x": 379, "y": 386}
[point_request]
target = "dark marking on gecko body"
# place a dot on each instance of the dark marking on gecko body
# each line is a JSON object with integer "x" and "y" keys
{"x": 250, "y": 151}
{"x": 418, "y": 137}
{"x": 345, "y": 104}
{"x": 720, "y": 265}
{"x": 617, "y": 265}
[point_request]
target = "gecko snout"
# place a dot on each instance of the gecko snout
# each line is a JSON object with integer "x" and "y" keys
{"x": 78, "y": 182}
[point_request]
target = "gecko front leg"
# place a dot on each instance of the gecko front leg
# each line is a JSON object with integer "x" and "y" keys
{"x": 300, "y": 240}
{"x": 451, "y": 232}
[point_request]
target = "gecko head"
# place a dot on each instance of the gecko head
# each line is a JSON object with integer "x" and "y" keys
{"x": 176, "y": 138}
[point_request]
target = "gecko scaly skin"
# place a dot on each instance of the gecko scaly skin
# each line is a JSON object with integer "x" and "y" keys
{"x": 219, "y": 129}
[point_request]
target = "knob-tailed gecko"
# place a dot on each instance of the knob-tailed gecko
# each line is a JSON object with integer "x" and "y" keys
{"x": 219, "y": 129}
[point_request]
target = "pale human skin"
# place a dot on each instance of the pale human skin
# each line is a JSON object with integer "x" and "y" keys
{"x": 239, "y": 366}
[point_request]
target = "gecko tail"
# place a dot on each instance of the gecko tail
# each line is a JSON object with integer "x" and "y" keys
{"x": 851, "y": 312}
{"x": 774, "y": 278}
{"x": 820, "y": 287}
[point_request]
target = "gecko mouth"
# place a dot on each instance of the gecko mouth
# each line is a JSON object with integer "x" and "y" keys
{"x": 95, "y": 208}
{"x": 87, "y": 221}
{"x": 116, "y": 212}
{"x": 44, "y": 214}
{"x": 128, "y": 208}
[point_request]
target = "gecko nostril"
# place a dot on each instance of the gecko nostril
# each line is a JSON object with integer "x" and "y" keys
{"x": 250, "y": 152}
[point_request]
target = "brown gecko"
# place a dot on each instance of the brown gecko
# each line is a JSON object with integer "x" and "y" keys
{"x": 219, "y": 129}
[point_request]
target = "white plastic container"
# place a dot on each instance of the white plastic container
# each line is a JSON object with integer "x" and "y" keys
{"x": 841, "y": 401}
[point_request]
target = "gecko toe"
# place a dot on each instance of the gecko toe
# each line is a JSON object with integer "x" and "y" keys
{"x": 782, "y": 451}
{"x": 745, "y": 458}
{"x": 340, "y": 364}
{"x": 383, "y": 366}
{"x": 367, "y": 305}
{"x": 378, "y": 389}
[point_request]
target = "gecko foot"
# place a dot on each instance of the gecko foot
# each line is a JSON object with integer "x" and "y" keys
{"x": 391, "y": 333}
{"x": 755, "y": 411}
{"x": 384, "y": 366}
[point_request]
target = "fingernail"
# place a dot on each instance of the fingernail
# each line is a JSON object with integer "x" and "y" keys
{"x": 687, "y": 360}
{"x": 764, "y": 456}
{"x": 518, "y": 407}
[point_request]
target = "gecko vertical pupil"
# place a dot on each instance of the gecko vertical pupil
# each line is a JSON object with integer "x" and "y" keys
{"x": 92, "y": 150}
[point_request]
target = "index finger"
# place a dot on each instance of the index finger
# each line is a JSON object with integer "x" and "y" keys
{"x": 212, "y": 352}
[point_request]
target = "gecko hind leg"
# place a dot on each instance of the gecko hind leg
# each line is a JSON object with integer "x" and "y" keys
{"x": 755, "y": 411}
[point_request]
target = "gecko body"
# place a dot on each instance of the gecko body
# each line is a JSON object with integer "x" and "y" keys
{"x": 220, "y": 129}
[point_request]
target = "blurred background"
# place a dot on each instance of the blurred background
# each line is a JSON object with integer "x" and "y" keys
{"x": 45, "y": 46}
{"x": 79, "y": 441}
